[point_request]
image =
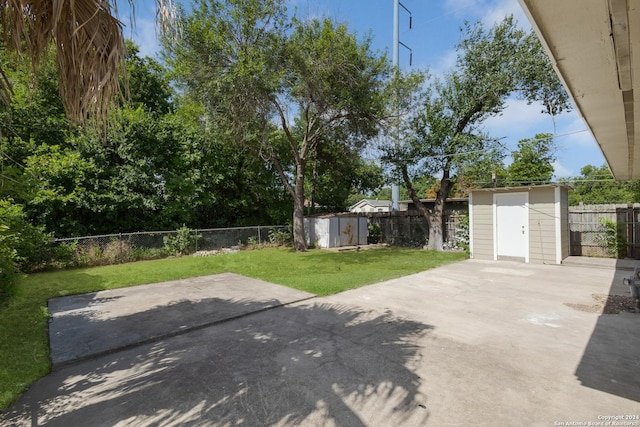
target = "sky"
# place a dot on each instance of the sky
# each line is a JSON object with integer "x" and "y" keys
{"x": 432, "y": 39}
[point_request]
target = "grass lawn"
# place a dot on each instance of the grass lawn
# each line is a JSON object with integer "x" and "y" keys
{"x": 24, "y": 342}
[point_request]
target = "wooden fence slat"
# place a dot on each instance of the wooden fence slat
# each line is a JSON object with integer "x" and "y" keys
{"x": 587, "y": 234}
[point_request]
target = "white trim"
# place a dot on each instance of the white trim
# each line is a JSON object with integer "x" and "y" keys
{"x": 558, "y": 224}
{"x": 495, "y": 227}
{"x": 470, "y": 225}
{"x": 526, "y": 221}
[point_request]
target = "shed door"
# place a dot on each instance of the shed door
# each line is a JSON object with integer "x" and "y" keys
{"x": 511, "y": 230}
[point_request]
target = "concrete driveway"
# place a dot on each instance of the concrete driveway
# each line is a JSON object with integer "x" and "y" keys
{"x": 472, "y": 343}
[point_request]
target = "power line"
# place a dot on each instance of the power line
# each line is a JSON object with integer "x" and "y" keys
{"x": 506, "y": 149}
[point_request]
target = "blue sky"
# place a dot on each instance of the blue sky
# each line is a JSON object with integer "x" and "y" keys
{"x": 435, "y": 32}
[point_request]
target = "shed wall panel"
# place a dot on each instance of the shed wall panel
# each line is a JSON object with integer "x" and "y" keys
{"x": 483, "y": 226}
{"x": 548, "y": 216}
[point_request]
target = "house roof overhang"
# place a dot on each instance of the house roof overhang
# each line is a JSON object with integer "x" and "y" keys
{"x": 591, "y": 44}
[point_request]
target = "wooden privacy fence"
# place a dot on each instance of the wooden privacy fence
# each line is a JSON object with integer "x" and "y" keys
{"x": 410, "y": 228}
{"x": 588, "y": 235}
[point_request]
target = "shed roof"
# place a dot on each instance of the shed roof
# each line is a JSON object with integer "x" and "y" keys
{"x": 520, "y": 188}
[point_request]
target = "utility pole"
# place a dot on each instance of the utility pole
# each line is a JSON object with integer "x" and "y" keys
{"x": 395, "y": 188}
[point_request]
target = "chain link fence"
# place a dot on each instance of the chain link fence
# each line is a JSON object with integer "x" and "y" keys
{"x": 410, "y": 228}
{"x": 398, "y": 228}
{"x": 125, "y": 247}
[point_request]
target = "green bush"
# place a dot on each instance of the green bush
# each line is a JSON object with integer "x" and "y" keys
{"x": 614, "y": 243}
{"x": 374, "y": 233}
{"x": 281, "y": 237}
{"x": 65, "y": 256}
{"x": 24, "y": 244}
{"x": 183, "y": 243}
{"x": 462, "y": 233}
{"x": 8, "y": 258}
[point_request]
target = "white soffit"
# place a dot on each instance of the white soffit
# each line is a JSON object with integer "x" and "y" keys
{"x": 594, "y": 46}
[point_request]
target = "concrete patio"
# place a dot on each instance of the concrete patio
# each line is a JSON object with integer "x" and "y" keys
{"x": 472, "y": 343}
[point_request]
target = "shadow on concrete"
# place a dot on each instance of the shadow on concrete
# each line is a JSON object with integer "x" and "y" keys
{"x": 614, "y": 347}
{"x": 88, "y": 332}
{"x": 311, "y": 364}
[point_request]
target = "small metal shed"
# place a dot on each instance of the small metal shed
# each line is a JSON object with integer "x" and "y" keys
{"x": 529, "y": 224}
{"x": 336, "y": 230}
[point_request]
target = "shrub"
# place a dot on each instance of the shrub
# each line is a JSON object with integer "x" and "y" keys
{"x": 281, "y": 236}
{"x": 462, "y": 233}
{"x": 614, "y": 243}
{"x": 252, "y": 243}
{"x": 8, "y": 258}
{"x": 90, "y": 255}
{"x": 182, "y": 243}
{"x": 65, "y": 256}
{"x": 140, "y": 254}
{"x": 374, "y": 233}
{"x": 30, "y": 245}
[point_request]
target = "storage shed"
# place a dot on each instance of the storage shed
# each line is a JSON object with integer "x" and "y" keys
{"x": 529, "y": 224}
{"x": 336, "y": 230}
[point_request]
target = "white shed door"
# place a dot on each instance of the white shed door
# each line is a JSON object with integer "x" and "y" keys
{"x": 511, "y": 230}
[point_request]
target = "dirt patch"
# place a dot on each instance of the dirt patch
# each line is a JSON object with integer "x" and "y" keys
{"x": 607, "y": 304}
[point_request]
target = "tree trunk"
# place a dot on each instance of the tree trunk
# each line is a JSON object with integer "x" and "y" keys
{"x": 435, "y": 219}
{"x": 435, "y": 232}
{"x": 415, "y": 199}
{"x": 299, "y": 238}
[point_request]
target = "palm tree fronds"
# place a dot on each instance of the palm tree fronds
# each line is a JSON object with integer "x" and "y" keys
{"x": 89, "y": 43}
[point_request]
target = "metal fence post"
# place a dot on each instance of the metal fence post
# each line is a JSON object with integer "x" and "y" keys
{"x": 629, "y": 237}
{"x": 195, "y": 237}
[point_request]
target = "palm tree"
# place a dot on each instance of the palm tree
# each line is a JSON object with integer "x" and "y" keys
{"x": 89, "y": 45}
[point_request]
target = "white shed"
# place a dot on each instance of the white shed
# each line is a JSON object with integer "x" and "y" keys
{"x": 529, "y": 224}
{"x": 332, "y": 231}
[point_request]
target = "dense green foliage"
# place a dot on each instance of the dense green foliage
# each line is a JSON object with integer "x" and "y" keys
{"x": 597, "y": 186}
{"x": 23, "y": 246}
{"x": 612, "y": 239}
{"x": 160, "y": 162}
{"x": 532, "y": 162}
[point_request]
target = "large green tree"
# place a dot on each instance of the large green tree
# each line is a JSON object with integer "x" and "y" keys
{"x": 255, "y": 69}
{"x": 532, "y": 162}
{"x": 336, "y": 173}
{"x": 597, "y": 186}
{"x": 445, "y": 133}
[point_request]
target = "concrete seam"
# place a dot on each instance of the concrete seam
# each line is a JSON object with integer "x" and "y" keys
{"x": 63, "y": 364}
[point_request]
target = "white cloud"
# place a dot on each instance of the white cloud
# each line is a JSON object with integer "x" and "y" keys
{"x": 489, "y": 12}
{"x": 500, "y": 9}
{"x": 519, "y": 120}
{"x": 559, "y": 171}
{"x": 445, "y": 63}
{"x": 464, "y": 7}
{"x": 574, "y": 129}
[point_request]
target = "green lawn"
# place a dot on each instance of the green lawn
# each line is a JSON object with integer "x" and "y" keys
{"x": 24, "y": 349}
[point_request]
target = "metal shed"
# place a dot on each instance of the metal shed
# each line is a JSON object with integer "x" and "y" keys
{"x": 336, "y": 230}
{"x": 529, "y": 224}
